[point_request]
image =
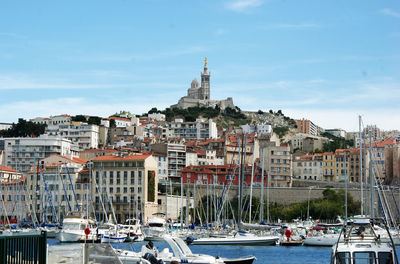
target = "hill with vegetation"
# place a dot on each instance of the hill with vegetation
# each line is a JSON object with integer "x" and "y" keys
{"x": 231, "y": 117}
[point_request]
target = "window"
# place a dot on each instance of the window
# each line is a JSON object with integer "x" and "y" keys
{"x": 118, "y": 190}
{"x": 125, "y": 177}
{"x": 385, "y": 258}
{"x": 125, "y": 189}
{"x": 343, "y": 258}
{"x": 364, "y": 257}
{"x": 132, "y": 177}
{"x": 111, "y": 189}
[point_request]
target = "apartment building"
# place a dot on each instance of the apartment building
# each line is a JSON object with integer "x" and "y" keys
{"x": 22, "y": 153}
{"x": 221, "y": 175}
{"x": 86, "y": 136}
{"x": 120, "y": 121}
{"x": 308, "y": 167}
{"x": 200, "y": 129}
{"x": 129, "y": 183}
{"x": 328, "y": 166}
{"x": 14, "y": 203}
{"x": 374, "y": 131}
{"x": 247, "y": 144}
{"x": 175, "y": 153}
{"x": 392, "y": 164}
{"x": 307, "y": 127}
{"x": 277, "y": 162}
{"x": 53, "y": 188}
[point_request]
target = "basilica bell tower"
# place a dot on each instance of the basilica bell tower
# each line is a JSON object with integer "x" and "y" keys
{"x": 205, "y": 83}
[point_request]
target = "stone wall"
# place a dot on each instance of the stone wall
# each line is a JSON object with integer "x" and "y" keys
{"x": 286, "y": 196}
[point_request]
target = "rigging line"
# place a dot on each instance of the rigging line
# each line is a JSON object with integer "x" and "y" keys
{"x": 65, "y": 192}
{"x": 73, "y": 191}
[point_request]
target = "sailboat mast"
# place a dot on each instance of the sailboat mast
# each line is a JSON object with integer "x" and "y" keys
{"x": 345, "y": 183}
{"x": 361, "y": 166}
{"x": 181, "y": 202}
{"x": 371, "y": 177}
{"x": 262, "y": 186}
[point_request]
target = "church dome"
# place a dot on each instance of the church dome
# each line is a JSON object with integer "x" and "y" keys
{"x": 195, "y": 83}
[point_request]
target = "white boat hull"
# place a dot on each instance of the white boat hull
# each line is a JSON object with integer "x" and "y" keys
{"x": 321, "y": 241}
{"x": 236, "y": 241}
{"x": 113, "y": 239}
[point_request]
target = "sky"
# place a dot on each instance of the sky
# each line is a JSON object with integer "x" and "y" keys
{"x": 327, "y": 61}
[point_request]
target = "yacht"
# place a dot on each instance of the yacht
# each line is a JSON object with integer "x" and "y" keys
{"x": 239, "y": 238}
{"x": 181, "y": 253}
{"x": 74, "y": 229}
{"x": 155, "y": 229}
{"x": 359, "y": 243}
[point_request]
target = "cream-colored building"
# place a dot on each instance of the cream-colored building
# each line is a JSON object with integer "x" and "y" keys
{"x": 278, "y": 164}
{"x": 129, "y": 183}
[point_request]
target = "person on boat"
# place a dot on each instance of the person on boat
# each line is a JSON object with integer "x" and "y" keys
{"x": 150, "y": 248}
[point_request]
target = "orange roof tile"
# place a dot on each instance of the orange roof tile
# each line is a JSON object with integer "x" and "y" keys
{"x": 4, "y": 168}
{"x": 129, "y": 157}
{"x": 119, "y": 118}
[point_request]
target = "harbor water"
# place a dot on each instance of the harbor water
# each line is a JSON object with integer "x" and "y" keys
{"x": 264, "y": 254}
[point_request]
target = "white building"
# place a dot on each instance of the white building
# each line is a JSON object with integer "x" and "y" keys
{"x": 4, "y": 126}
{"x": 22, "y": 153}
{"x": 53, "y": 120}
{"x": 157, "y": 116}
{"x": 200, "y": 129}
{"x": 84, "y": 135}
{"x": 120, "y": 121}
{"x": 162, "y": 166}
{"x": 337, "y": 132}
{"x": 257, "y": 128}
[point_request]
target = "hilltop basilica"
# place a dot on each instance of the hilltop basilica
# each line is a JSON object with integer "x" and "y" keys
{"x": 200, "y": 95}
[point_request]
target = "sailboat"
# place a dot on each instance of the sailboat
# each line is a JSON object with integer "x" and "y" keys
{"x": 240, "y": 237}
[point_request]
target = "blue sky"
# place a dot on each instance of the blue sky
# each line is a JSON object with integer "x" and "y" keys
{"x": 328, "y": 61}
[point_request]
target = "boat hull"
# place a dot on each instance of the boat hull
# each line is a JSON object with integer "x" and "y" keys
{"x": 247, "y": 242}
{"x": 111, "y": 239}
{"x": 244, "y": 260}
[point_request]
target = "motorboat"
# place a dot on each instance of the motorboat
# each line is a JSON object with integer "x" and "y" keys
{"x": 181, "y": 253}
{"x": 155, "y": 229}
{"x": 74, "y": 229}
{"x": 293, "y": 236}
{"x": 241, "y": 260}
{"x": 113, "y": 236}
{"x": 359, "y": 243}
{"x": 321, "y": 237}
{"x": 239, "y": 238}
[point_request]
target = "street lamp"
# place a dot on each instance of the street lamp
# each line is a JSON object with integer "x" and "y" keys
{"x": 308, "y": 206}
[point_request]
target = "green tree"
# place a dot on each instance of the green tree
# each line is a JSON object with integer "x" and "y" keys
{"x": 281, "y": 131}
{"x": 78, "y": 118}
{"x": 23, "y": 129}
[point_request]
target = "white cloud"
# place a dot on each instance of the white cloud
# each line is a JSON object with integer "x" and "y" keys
{"x": 347, "y": 119}
{"x": 73, "y": 106}
{"x": 243, "y": 5}
{"x": 389, "y": 12}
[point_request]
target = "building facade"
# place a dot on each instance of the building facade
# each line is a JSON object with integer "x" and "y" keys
{"x": 22, "y": 153}
{"x": 129, "y": 183}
